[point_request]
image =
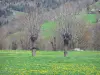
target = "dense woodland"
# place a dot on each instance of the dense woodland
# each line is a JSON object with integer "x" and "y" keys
{"x": 21, "y": 24}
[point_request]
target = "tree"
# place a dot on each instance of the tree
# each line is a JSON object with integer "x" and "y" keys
{"x": 33, "y": 39}
{"x": 33, "y": 30}
{"x": 66, "y": 38}
{"x": 14, "y": 45}
{"x": 53, "y": 43}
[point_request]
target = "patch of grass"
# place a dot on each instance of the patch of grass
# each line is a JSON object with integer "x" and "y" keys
{"x": 49, "y": 63}
{"x": 91, "y": 18}
{"x": 48, "y": 29}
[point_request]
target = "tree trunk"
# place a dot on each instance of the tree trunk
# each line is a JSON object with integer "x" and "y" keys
{"x": 65, "y": 51}
{"x": 53, "y": 43}
{"x": 33, "y": 52}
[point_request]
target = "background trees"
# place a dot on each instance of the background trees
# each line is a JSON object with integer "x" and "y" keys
{"x": 68, "y": 16}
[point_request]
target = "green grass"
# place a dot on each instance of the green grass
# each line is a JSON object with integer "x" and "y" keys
{"x": 91, "y": 18}
{"x": 49, "y": 63}
{"x": 48, "y": 29}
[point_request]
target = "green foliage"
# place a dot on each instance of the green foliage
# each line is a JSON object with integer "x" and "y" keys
{"x": 49, "y": 63}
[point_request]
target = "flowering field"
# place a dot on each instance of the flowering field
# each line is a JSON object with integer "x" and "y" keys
{"x": 49, "y": 63}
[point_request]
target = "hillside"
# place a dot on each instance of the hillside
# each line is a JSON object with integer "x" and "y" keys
{"x": 8, "y": 8}
{"x": 24, "y": 21}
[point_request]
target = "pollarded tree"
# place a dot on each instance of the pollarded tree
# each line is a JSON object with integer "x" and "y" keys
{"x": 33, "y": 29}
{"x": 33, "y": 39}
{"x": 66, "y": 38}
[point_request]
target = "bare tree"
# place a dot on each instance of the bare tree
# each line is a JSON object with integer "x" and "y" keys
{"x": 33, "y": 39}
{"x": 14, "y": 45}
{"x": 66, "y": 38}
{"x": 34, "y": 30}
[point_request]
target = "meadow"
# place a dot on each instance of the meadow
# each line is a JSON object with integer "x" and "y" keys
{"x": 49, "y": 63}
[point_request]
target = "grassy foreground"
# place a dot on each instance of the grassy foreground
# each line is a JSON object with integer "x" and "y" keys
{"x": 49, "y": 63}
